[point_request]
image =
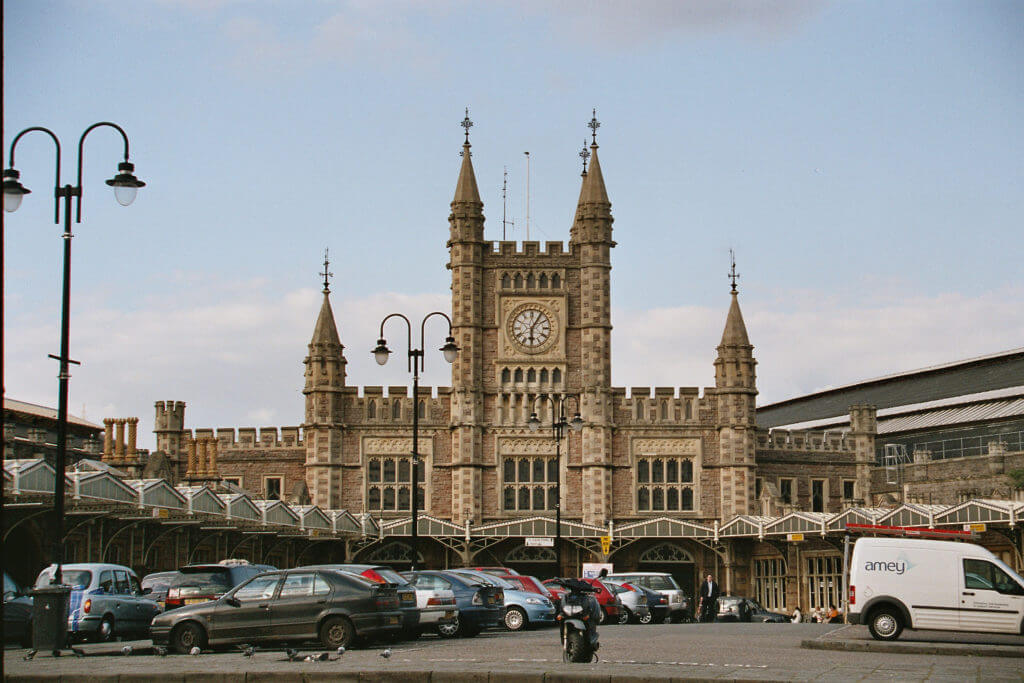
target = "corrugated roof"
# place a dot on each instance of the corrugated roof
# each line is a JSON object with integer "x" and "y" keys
{"x": 43, "y": 411}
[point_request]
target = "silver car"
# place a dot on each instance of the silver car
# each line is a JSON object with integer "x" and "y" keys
{"x": 634, "y": 603}
{"x": 106, "y": 601}
{"x": 678, "y": 602}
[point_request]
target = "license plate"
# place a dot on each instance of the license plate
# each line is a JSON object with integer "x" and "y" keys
{"x": 195, "y": 601}
{"x": 394, "y": 620}
{"x": 450, "y": 614}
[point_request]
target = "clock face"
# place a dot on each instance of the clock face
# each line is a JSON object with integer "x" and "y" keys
{"x": 531, "y": 328}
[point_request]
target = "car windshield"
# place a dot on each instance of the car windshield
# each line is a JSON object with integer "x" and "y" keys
{"x": 76, "y": 578}
{"x": 487, "y": 578}
{"x": 615, "y": 588}
{"x": 660, "y": 583}
{"x": 213, "y": 580}
{"x": 391, "y": 576}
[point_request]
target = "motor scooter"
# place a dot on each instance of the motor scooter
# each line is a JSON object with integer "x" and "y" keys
{"x": 577, "y": 619}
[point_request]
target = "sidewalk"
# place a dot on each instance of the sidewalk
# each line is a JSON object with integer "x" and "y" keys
{"x": 858, "y": 639}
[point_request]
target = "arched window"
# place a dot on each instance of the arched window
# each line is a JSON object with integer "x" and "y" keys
{"x": 374, "y": 470}
{"x": 524, "y": 498}
{"x": 531, "y": 282}
{"x": 659, "y": 499}
{"x": 643, "y": 499}
{"x": 422, "y": 408}
{"x": 687, "y": 471}
{"x": 689, "y": 409}
{"x": 524, "y": 470}
{"x": 664, "y": 410}
{"x": 673, "y": 499}
{"x": 389, "y": 470}
{"x": 538, "y": 498}
{"x": 519, "y": 281}
{"x": 657, "y": 471}
{"x": 371, "y": 409}
{"x": 638, "y": 410}
{"x": 643, "y": 472}
{"x": 404, "y": 470}
{"x": 509, "y": 469}
{"x": 538, "y": 470}
{"x": 389, "y": 498}
{"x": 403, "y": 499}
{"x": 556, "y": 376}
{"x": 544, "y": 376}
{"x": 556, "y": 281}
{"x": 519, "y": 374}
{"x": 373, "y": 499}
{"x": 552, "y": 469}
{"x": 421, "y": 497}
{"x": 531, "y": 375}
{"x": 543, "y": 281}
{"x": 506, "y": 376}
{"x": 687, "y": 499}
{"x": 510, "y": 498}
{"x": 506, "y": 281}
{"x": 552, "y": 498}
{"x": 396, "y": 410}
{"x": 672, "y": 471}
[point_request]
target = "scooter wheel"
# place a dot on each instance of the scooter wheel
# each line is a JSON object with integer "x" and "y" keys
{"x": 576, "y": 649}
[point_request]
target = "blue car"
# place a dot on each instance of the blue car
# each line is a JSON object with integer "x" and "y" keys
{"x": 522, "y": 608}
{"x": 481, "y": 604}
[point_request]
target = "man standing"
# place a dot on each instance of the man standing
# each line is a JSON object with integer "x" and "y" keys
{"x": 708, "y": 605}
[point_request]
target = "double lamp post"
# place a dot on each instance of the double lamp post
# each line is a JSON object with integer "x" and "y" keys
{"x": 125, "y": 186}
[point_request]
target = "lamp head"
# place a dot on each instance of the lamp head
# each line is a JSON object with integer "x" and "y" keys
{"x": 381, "y": 352}
{"x": 576, "y": 423}
{"x": 450, "y": 350}
{"x": 533, "y": 422}
{"x": 13, "y": 190}
{"x": 125, "y": 184}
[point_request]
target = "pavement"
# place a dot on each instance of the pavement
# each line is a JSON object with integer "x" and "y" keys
{"x": 666, "y": 652}
{"x": 948, "y": 643}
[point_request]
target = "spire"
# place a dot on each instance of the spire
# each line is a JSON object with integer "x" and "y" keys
{"x": 593, "y": 190}
{"x": 465, "y": 189}
{"x": 326, "y": 331}
{"x": 735, "y": 333}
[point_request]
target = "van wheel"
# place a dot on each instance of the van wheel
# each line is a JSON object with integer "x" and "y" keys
{"x": 885, "y": 624}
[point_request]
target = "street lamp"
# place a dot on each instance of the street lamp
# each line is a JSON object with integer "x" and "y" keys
{"x": 381, "y": 353}
{"x": 125, "y": 186}
{"x": 558, "y": 425}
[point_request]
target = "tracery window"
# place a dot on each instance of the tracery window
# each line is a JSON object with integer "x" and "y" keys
{"x": 389, "y": 484}
{"x": 770, "y": 583}
{"x": 529, "y": 483}
{"x": 664, "y": 484}
{"x": 824, "y": 579}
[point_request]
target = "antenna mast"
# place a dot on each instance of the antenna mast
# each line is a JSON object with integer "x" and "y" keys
{"x": 504, "y": 206}
{"x": 527, "y": 196}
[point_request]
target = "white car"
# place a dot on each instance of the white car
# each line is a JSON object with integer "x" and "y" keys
{"x": 898, "y": 583}
{"x": 437, "y": 608}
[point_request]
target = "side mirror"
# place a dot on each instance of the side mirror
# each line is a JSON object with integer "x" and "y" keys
{"x": 147, "y": 590}
{"x": 233, "y": 601}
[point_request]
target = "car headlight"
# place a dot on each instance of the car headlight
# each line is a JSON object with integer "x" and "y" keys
{"x": 534, "y": 601}
{"x": 572, "y": 609}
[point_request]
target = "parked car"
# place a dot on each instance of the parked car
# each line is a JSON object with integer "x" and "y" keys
{"x": 480, "y": 605}
{"x": 679, "y": 607}
{"x": 523, "y": 609}
{"x": 737, "y": 608}
{"x": 657, "y": 604}
{"x": 532, "y": 584}
{"x": 17, "y": 613}
{"x": 325, "y": 605}
{"x": 106, "y": 601}
{"x": 197, "y": 583}
{"x": 496, "y": 571}
{"x": 610, "y": 605}
{"x": 633, "y": 603}
{"x": 407, "y": 599}
{"x": 155, "y": 585}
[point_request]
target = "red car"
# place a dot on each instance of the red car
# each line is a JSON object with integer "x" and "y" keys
{"x": 531, "y": 585}
{"x": 495, "y": 571}
{"x": 605, "y": 598}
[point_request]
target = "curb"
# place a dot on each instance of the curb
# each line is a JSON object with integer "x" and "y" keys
{"x": 419, "y": 676}
{"x": 951, "y": 649}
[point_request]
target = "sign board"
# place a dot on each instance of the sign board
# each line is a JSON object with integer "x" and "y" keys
{"x": 592, "y": 570}
{"x": 606, "y": 544}
{"x": 976, "y": 528}
{"x": 161, "y": 513}
{"x": 794, "y": 537}
{"x": 540, "y": 542}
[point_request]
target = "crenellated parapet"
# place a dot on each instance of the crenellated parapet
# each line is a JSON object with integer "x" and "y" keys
{"x": 805, "y": 441}
{"x": 248, "y": 438}
{"x": 660, "y": 405}
{"x": 374, "y": 406}
{"x": 529, "y": 248}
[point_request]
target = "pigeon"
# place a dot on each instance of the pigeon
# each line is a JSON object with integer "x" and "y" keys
{"x": 160, "y": 651}
{"x": 292, "y": 654}
{"x": 323, "y": 657}
{"x": 249, "y": 651}
{"x": 309, "y": 658}
{"x": 341, "y": 651}
{"x": 386, "y": 654}
{"x": 195, "y": 651}
{"x": 30, "y": 654}
{"x": 126, "y": 650}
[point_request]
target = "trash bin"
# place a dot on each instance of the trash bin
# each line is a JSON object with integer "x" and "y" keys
{"x": 50, "y": 617}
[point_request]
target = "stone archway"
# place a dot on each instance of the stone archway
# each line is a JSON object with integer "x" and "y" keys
{"x": 395, "y": 553}
{"x": 671, "y": 558}
{"x": 533, "y": 561}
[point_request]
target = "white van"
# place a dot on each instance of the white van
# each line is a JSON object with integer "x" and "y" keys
{"x": 898, "y": 583}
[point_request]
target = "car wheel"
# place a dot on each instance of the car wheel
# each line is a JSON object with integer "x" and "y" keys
{"x": 448, "y": 630}
{"x": 336, "y": 632}
{"x": 105, "y": 633}
{"x": 646, "y": 618}
{"x": 603, "y": 618}
{"x": 186, "y": 636}
{"x": 515, "y": 619}
{"x": 624, "y": 615}
{"x": 885, "y": 624}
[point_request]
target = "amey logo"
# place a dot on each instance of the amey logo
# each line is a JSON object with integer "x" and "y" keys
{"x": 898, "y": 566}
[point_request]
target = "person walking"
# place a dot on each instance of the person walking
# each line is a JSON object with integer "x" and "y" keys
{"x": 707, "y": 608}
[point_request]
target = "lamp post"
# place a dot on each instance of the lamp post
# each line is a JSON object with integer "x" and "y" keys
{"x": 125, "y": 186}
{"x": 381, "y": 353}
{"x": 558, "y": 425}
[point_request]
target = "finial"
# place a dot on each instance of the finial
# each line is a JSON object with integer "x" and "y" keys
{"x": 327, "y": 273}
{"x": 593, "y": 126}
{"x": 467, "y": 124}
{"x": 584, "y": 154}
{"x": 733, "y": 275}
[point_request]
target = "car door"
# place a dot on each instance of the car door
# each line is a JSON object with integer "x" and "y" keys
{"x": 124, "y": 617}
{"x": 294, "y": 612}
{"x": 989, "y": 599}
{"x": 141, "y": 607}
{"x": 249, "y": 618}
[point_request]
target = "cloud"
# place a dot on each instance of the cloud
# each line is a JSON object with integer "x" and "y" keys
{"x": 233, "y": 350}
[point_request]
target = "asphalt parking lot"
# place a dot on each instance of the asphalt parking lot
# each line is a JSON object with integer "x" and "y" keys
{"x": 662, "y": 652}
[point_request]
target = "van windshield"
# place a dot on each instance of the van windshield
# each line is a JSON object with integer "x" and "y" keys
{"x": 76, "y": 578}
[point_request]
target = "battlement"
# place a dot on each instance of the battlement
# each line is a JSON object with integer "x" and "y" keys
{"x": 250, "y": 437}
{"x": 647, "y": 405}
{"x": 805, "y": 441}
{"x": 624, "y": 394}
{"x": 531, "y": 248}
{"x": 397, "y": 404}
{"x": 170, "y": 416}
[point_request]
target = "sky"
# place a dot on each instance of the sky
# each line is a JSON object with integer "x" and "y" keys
{"x": 863, "y": 159}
